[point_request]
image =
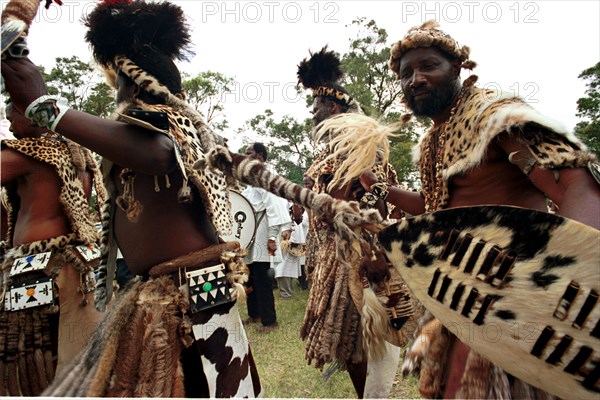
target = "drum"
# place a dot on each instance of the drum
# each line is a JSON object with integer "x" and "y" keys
{"x": 244, "y": 220}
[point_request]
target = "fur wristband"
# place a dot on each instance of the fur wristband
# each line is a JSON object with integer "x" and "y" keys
{"x": 47, "y": 111}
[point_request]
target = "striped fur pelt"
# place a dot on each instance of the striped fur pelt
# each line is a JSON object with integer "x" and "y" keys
{"x": 346, "y": 217}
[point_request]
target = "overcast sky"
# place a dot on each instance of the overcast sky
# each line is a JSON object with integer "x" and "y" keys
{"x": 533, "y": 48}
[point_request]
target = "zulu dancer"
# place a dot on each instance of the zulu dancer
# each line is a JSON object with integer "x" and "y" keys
{"x": 161, "y": 338}
{"x": 49, "y": 242}
{"x": 485, "y": 147}
{"x": 52, "y": 246}
{"x": 335, "y": 324}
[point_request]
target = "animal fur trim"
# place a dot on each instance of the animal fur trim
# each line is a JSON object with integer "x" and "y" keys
{"x": 322, "y": 73}
{"x": 320, "y": 69}
{"x": 135, "y": 351}
{"x": 429, "y": 35}
{"x": 72, "y": 196}
{"x": 350, "y": 135}
{"x": 195, "y": 259}
{"x": 482, "y": 115}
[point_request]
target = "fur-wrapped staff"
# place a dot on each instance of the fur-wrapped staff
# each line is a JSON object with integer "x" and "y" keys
{"x": 17, "y": 17}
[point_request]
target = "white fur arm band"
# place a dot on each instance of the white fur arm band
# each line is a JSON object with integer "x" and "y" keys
{"x": 47, "y": 111}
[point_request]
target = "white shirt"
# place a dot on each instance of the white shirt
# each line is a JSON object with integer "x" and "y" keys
{"x": 276, "y": 218}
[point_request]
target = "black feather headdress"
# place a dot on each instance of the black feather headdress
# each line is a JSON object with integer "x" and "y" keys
{"x": 132, "y": 28}
{"x": 322, "y": 73}
{"x": 320, "y": 69}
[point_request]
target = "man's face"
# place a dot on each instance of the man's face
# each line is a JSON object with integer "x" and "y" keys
{"x": 429, "y": 81}
{"x": 21, "y": 126}
{"x": 323, "y": 109}
{"x": 126, "y": 89}
{"x": 308, "y": 182}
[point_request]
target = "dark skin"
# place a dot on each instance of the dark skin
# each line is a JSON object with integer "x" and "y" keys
{"x": 496, "y": 181}
{"x": 166, "y": 228}
{"x": 40, "y": 215}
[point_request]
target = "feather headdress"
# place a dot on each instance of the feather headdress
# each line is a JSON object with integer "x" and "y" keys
{"x": 321, "y": 73}
{"x": 132, "y": 28}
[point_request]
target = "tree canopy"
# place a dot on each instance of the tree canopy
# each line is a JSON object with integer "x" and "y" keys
{"x": 369, "y": 80}
{"x": 588, "y": 107}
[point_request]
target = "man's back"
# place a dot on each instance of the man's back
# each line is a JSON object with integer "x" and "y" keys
{"x": 166, "y": 228}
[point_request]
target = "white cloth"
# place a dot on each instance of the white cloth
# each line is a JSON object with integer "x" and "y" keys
{"x": 276, "y": 217}
{"x": 291, "y": 265}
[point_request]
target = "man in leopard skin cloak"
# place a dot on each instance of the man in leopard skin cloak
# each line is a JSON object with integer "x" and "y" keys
{"x": 47, "y": 312}
{"x": 162, "y": 337}
{"x": 485, "y": 148}
{"x": 334, "y": 326}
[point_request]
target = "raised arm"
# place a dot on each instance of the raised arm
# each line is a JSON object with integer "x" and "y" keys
{"x": 126, "y": 145}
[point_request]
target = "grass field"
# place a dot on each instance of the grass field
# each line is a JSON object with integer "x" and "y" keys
{"x": 284, "y": 373}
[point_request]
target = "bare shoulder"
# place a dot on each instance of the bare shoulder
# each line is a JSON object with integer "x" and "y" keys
{"x": 15, "y": 165}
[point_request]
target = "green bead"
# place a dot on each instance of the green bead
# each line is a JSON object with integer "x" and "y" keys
{"x": 207, "y": 287}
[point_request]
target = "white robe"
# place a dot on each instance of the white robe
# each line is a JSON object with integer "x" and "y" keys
{"x": 276, "y": 217}
{"x": 291, "y": 265}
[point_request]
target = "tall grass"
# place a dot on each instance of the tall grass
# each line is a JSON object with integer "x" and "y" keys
{"x": 284, "y": 373}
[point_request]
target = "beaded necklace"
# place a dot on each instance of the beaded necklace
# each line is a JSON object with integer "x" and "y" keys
{"x": 432, "y": 161}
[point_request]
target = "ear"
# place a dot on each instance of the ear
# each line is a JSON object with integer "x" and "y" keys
{"x": 455, "y": 69}
{"x": 334, "y": 108}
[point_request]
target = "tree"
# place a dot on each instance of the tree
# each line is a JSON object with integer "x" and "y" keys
{"x": 368, "y": 76}
{"x": 81, "y": 85}
{"x": 205, "y": 92}
{"x": 290, "y": 150}
{"x": 371, "y": 82}
{"x": 589, "y": 108}
{"x": 100, "y": 102}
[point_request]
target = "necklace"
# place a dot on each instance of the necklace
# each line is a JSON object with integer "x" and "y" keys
{"x": 432, "y": 162}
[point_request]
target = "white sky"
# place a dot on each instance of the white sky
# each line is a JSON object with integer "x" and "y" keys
{"x": 534, "y": 48}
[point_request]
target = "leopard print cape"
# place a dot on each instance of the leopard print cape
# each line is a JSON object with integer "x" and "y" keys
{"x": 72, "y": 196}
{"x": 483, "y": 114}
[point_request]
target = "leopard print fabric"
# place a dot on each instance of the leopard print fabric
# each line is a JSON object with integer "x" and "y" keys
{"x": 72, "y": 196}
{"x": 481, "y": 115}
{"x": 210, "y": 183}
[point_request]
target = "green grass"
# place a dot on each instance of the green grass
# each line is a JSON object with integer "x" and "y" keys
{"x": 284, "y": 373}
